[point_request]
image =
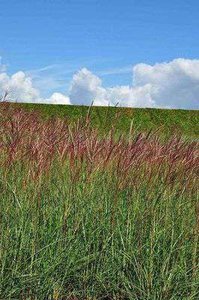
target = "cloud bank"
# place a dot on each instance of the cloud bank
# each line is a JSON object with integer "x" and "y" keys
{"x": 20, "y": 89}
{"x": 172, "y": 84}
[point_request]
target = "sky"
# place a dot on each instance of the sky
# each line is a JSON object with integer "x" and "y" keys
{"x": 137, "y": 53}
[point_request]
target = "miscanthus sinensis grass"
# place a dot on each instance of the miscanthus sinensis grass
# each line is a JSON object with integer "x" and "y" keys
{"x": 85, "y": 216}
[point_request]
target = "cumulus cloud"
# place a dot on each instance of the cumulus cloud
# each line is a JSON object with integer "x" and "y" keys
{"x": 131, "y": 96}
{"x": 171, "y": 85}
{"x": 86, "y": 88}
{"x": 58, "y": 98}
{"x": 174, "y": 84}
{"x": 168, "y": 85}
{"x": 20, "y": 89}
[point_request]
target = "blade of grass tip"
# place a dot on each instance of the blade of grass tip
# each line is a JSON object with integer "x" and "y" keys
{"x": 107, "y": 115}
{"x": 3, "y": 98}
{"x": 89, "y": 112}
{"x": 148, "y": 133}
{"x": 115, "y": 116}
{"x": 98, "y": 115}
{"x": 131, "y": 129}
{"x": 136, "y": 129}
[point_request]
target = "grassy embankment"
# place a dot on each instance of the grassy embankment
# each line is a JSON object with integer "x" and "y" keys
{"x": 165, "y": 121}
{"x": 86, "y": 216}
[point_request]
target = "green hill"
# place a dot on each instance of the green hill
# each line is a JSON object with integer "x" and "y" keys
{"x": 165, "y": 121}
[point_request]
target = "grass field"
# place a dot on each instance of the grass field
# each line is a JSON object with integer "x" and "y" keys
{"x": 167, "y": 122}
{"x": 88, "y": 213}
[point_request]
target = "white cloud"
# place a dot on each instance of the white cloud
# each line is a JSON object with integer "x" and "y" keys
{"x": 170, "y": 85}
{"x": 58, "y": 98}
{"x": 20, "y": 89}
{"x": 131, "y": 96}
{"x": 174, "y": 84}
{"x": 87, "y": 87}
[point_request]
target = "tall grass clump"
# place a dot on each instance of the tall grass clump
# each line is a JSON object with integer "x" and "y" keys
{"x": 86, "y": 216}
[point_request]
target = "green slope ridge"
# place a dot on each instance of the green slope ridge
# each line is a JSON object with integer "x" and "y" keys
{"x": 166, "y": 121}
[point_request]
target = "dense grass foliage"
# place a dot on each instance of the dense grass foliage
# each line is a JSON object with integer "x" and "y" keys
{"x": 86, "y": 216}
{"x": 166, "y": 121}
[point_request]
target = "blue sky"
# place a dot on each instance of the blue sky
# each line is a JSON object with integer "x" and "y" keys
{"x": 53, "y": 39}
